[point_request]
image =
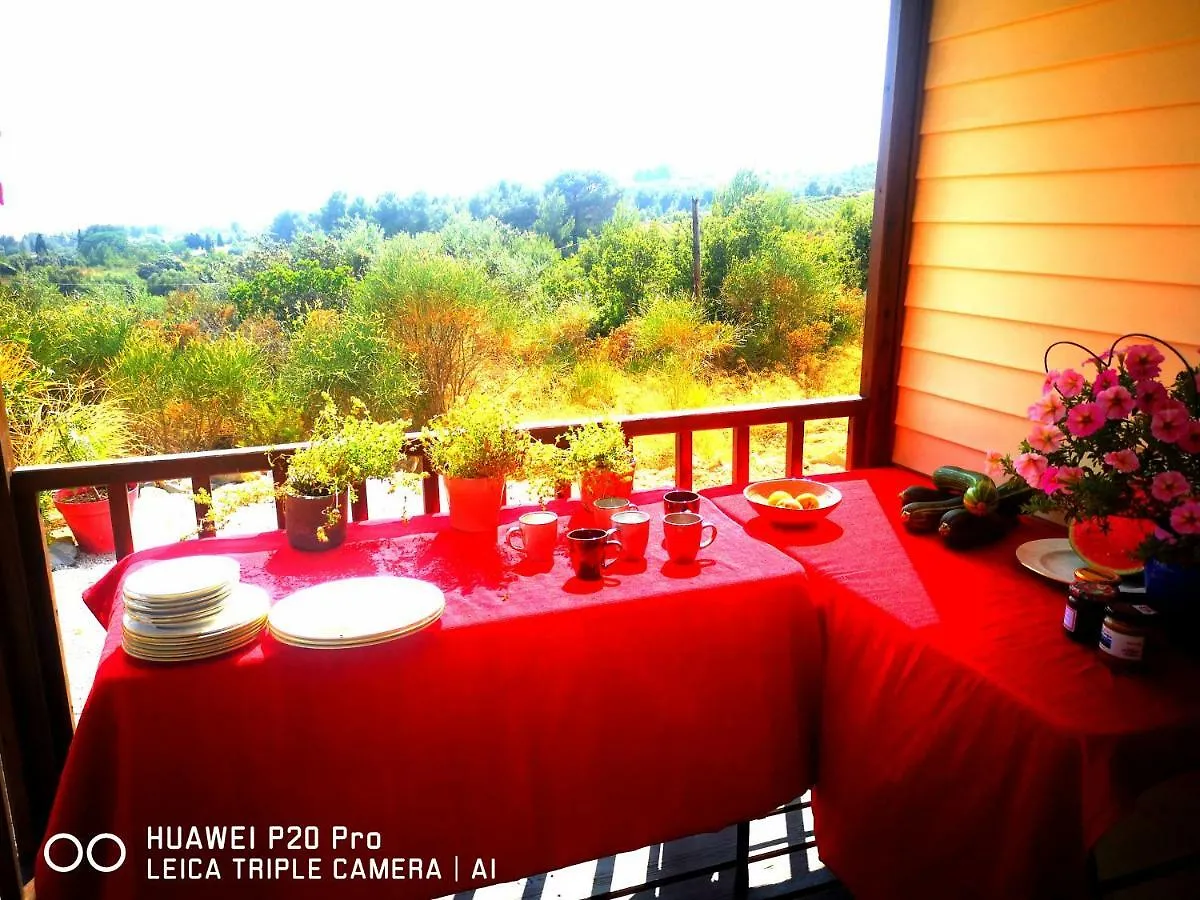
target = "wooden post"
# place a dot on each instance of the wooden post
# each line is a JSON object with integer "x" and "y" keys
{"x": 872, "y": 435}
{"x": 696, "y": 247}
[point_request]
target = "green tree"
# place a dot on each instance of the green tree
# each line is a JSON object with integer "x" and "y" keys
{"x": 332, "y": 212}
{"x": 512, "y": 204}
{"x": 39, "y": 246}
{"x": 286, "y": 291}
{"x": 102, "y": 245}
{"x": 591, "y": 198}
{"x": 287, "y": 225}
{"x": 554, "y": 220}
{"x": 813, "y": 189}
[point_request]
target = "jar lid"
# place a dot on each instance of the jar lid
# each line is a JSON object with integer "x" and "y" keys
{"x": 1097, "y": 576}
{"x": 1129, "y": 612}
{"x": 1100, "y": 591}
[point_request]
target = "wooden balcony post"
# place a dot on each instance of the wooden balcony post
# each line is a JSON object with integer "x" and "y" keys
{"x": 741, "y": 455}
{"x": 793, "y": 460}
{"x": 683, "y": 460}
{"x": 872, "y": 435}
{"x": 118, "y": 513}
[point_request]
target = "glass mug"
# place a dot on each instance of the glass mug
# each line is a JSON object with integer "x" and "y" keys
{"x": 681, "y": 501}
{"x": 603, "y": 509}
{"x": 538, "y": 532}
{"x": 633, "y": 526}
{"x": 588, "y": 549}
{"x": 684, "y": 536}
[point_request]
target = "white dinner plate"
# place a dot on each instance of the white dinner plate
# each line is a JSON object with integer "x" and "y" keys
{"x": 1051, "y": 558}
{"x": 350, "y": 610}
{"x": 247, "y": 604}
{"x": 181, "y": 579}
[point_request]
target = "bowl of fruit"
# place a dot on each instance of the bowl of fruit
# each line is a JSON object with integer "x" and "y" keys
{"x": 792, "y": 501}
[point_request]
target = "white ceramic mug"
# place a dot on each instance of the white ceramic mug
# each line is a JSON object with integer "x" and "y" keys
{"x": 633, "y": 526}
{"x": 604, "y": 507}
{"x": 538, "y": 532}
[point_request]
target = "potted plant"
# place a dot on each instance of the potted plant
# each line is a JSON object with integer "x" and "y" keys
{"x": 474, "y": 446}
{"x": 549, "y": 471}
{"x": 343, "y": 451}
{"x": 601, "y": 455}
{"x": 1117, "y": 451}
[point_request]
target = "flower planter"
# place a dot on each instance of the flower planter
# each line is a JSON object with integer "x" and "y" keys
{"x": 475, "y": 503}
{"x": 89, "y": 520}
{"x": 596, "y": 483}
{"x": 308, "y": 518}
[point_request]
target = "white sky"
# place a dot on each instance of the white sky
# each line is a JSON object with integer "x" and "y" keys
{"x": 193, "y": 114}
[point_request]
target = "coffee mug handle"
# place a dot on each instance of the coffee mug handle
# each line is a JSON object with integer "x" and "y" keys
{"x": 703, "y": 525}
{"x": 612, "y": 542}
{"x": 508, "y": 538}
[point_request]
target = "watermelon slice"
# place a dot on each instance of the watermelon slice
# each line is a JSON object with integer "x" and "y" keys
{"x": 1110, "y": 543}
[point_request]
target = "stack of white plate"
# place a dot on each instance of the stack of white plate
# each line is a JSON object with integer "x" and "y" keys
{"x": 190, "y": 608}
{"x": 355, "y": 612}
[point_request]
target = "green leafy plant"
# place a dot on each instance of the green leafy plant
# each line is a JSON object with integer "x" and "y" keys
{"x": 344, "y": 450}
{"x": 599, "y": 445}
{"x": 548, "y": 469}
{"x": 476, "y": 438}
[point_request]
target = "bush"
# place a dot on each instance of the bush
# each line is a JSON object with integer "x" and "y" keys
{"x": 77, "y": 338}
{"x": 289, "y": 290}
{"x": 672, "y": 333}
{"x": 186, "y": 391}
{"x": 442, "y": 313}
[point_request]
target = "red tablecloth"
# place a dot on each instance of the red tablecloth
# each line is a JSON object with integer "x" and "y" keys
{"x": 967, "y": 747}
{"x": 541, "y": 722}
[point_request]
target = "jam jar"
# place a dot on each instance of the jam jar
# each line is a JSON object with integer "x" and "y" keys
{"x": 1124, "y": 635}
{"x": 1087, "y": 598}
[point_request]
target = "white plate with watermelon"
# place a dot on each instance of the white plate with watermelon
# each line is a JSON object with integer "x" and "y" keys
{"x": 1110, "y": 546}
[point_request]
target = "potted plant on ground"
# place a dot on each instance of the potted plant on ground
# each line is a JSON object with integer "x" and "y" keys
{"x": 474, "y": 446}
{"x": 1117, "y": 451}
{"x": 343, "y": 451}
{"x": 601, "y": 455}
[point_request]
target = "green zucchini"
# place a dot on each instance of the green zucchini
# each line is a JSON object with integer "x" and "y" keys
{"x": 924, "y": 517}
{"x": 961, "y": 529}
{"x": 953, "y": 478}
{"x": 919, "y": 493}
{"x": 1014, "y": 494}
{"x": 982, "y": 497}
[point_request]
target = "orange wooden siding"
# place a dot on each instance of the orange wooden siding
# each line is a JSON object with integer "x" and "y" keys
{"x": 1058, "y": 197}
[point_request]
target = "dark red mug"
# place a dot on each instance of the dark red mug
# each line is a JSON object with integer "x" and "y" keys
{"x": 588, "y": 549}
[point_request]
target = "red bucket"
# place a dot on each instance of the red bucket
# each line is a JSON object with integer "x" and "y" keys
{"x": 89, "y": 520}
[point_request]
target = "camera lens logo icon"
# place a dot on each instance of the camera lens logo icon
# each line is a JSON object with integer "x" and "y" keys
{"x": 81, "y": 853}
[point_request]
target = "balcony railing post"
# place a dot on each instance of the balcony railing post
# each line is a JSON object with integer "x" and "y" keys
{"x": 278, "y": 478}
{"x": 359, "y": 511}
{"x": 793, "y": 459}
{"x": 683, "y": 460}
{"x": 204, "y": 525}
{"x": 118, "y": 513}
{"x": 741, "y": 454}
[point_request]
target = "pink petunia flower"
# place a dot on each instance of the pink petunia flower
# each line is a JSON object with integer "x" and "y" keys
{"x": 1150, "y": 395}
{"x": 1123, "y": 460}
{"x": 1142, "y": 361}
{"x": 993, "y": 464}
{"x": 1049, "y": 483}
{"x": 1189, "y": 441}
{"x": 1185, "y": 518}
{"x": 1070, "y": 383}
{"x": 1048, "y": 410}
{"x": 1116, "y": 402}
{"x": 1085, "y": 419}
{"x": 1169, "y": 424}
{"x": 1169, "y": 486}
{"x": 1067, "y": 477}
{"x": 1030, "y": 466}
{"x": 1108, "y": 378}
{"x": 1048, "y": 381}
{"x": 1045, "y": 438}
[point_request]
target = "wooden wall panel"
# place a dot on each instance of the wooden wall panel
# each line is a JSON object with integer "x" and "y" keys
{"x": 1056, "y": 301}
{"x": 1096, "y": 30}
{"x": 954, "y": 378}
{"x": 1166, "y": 77}
{"x": 1157, "y": 137}
{"x": 947, "y": 418}
{"x": 1160, "y": 196}
{"x": 1166, "y": 254}
{"x": 953, "y": 18}
{"x": 921, "y": 452}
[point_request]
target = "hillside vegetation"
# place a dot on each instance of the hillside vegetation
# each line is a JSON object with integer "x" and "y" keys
{"x": 575, "y": 300}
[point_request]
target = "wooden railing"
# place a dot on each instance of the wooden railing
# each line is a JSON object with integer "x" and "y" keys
{"x": 35, "y": 634}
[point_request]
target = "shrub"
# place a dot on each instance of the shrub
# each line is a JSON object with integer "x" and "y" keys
{"x": 672, "y": 333}
{"x": 593, "y": 382}
{"x": 443, "y": 313}
{"x": 186, "y": 391}
{"x": 476, "y": 438}
{"x": 344, "y": 450}
{"x": 77, "y": 338}
{"x": 288, "y": 290}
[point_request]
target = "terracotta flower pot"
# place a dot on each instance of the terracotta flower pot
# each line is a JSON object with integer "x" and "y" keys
{"x": 475, "y": 503}
{"x": 89, "y": 519}
{"x": 308, "y": 518}
{"x": 596, "y": 483}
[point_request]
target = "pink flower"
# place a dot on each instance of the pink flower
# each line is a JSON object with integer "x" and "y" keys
{"x": 1116, "y": 402}
{"x": 1168, "y": 486}
{"x": 1107, "y": 378}
{"x": 1085, "y": 419}
{"x": 1142, "y": 361}
{"x": 1068, "y": 476}
{"x": 1169, "y": 424}
{"x": 1048, "y": 381}
{"x": 1030, "y": 466}
{"x": 1048, "y": 410}
{"x": 993, "y": 465}
{"x": 1046, "y": 438}
{"x": 1189, "y": 442}
{"x": 1048, "y": 483}
{"x": 1123, "y": 460}
{"x": 1099, "y": 360}
{"x": 1070, "y": 383}
{"x": 1185, "y": 518}
{"x": 1150, "y": 395}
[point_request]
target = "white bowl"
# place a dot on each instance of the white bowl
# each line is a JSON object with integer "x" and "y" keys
{"x": 829, "y": 497}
